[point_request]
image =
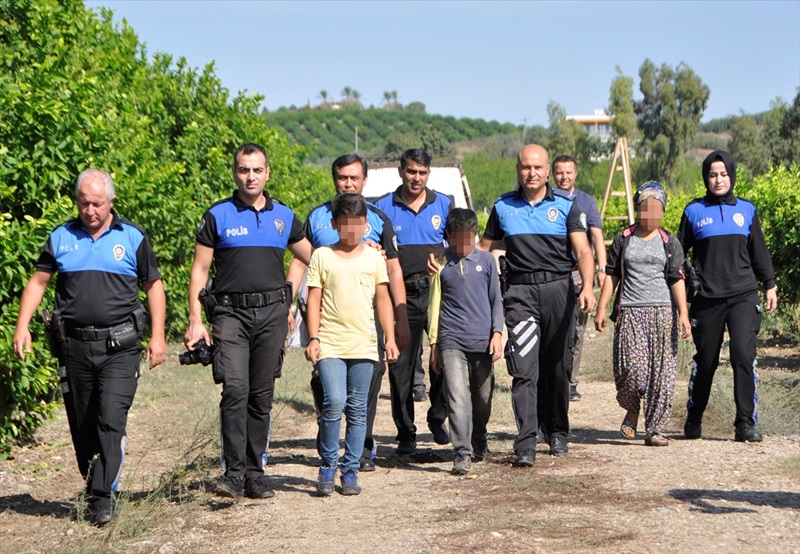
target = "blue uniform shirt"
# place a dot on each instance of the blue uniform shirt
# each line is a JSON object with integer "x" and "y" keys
{"x": 418, "y": 233}
{"x": 536, "y": 237}
{"x": 320, "y": 232}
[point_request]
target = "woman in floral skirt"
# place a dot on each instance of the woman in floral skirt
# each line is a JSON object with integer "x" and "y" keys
{"x": 649, "y": 312}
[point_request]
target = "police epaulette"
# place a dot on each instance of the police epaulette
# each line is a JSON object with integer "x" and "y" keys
{"x": 503, "y": 196}
{"x": 561, "y": 193}
{"x": 134, "y": 225}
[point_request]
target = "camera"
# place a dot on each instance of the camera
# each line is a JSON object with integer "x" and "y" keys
{"x": 200, "y": 355}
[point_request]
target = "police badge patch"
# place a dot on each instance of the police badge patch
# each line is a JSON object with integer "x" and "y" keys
{"x": 280, "y": 226}
{"x": 119, "y": 251}
{"x": 552, "y": 214}
{"x": 436, "y": 221}
{"x": 394, "y": 242}
{"x": 583, "y": 221}
{"x": 738, "y": 219}
{"x": 367, "y": 229}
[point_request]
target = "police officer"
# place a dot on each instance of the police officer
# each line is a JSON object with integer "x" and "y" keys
{"x": 728, "y": 254}
{"x": 419, "y": 216}
{"x": 565, "y": 172}
{"x": 97, "y": 328}
{"x": 350, "y": 176}
{"x": 245, "y": 237}
{"x": 541, "y": 228}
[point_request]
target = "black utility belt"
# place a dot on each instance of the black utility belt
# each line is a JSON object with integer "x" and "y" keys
{"x": 252, "y": 299}
{"x": 417, "y": 282}
{"x": 118, "y": 337}
{"x": 536, "y": 277}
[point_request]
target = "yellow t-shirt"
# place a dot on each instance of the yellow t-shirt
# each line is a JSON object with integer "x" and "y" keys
{"x": 347, "y": 317}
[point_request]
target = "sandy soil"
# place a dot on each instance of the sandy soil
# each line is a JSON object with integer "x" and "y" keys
{"x": 608, "y": 495}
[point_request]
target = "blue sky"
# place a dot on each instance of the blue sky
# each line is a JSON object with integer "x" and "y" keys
{"x": 493, "y": 60}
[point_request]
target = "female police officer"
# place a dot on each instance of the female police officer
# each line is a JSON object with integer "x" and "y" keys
{"x": 729, "y": 253}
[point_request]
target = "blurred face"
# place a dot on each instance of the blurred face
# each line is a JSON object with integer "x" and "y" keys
{"x": 461, "y": 242}
{"x": 719, "y": 182}
{"x": 350, "y": 178}
{"x": 532, "y": 169}
{"x": 251, "y": 175}
{"x": 94, "y": 206}
{"x": 651, "y": 213}
{"x": 350, "y": 228}
{"x": 415, "y": 178}
{"x": 565, "y": 174}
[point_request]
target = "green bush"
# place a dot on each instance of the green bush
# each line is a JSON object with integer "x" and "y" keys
{"x": 78, "y": 91}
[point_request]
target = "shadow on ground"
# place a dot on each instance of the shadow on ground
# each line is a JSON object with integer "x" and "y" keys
{"x": 713, "y": 501}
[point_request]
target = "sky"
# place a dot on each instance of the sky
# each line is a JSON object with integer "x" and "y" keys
{"x": 494, "y": 60}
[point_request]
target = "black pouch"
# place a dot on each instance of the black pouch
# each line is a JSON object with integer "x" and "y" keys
{"x": 511, "y": 358}
{"x": 123, "y": 336}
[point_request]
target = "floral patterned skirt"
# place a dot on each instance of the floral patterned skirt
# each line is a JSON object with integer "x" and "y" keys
{"x": 646, "y": 362}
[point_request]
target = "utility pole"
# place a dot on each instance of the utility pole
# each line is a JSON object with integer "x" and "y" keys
{"x": 356, "y": 139}
{"x": 524, "y": 129}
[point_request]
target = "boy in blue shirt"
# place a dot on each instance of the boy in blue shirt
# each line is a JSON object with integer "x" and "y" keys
{"x": 465, "y": 318}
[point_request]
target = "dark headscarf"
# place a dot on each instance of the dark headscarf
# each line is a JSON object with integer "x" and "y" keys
{"x": 730, "y": 166}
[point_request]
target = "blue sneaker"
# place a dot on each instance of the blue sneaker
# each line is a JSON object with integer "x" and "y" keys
{"x": 350, "y": 484}
{"x": 326, "y": 480}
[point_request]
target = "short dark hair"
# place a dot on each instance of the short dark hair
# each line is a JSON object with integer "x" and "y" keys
{"x": 348, "y": 203}
{"x": 417, "y": 155}
{"x": 249, "y": 148}
{"x": 564, "y": 158}
{"x": 348, "y": 159}
{"x": 461, "y": 219}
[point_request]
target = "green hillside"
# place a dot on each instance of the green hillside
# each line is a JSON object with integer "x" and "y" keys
{"x": 331, "y": 132}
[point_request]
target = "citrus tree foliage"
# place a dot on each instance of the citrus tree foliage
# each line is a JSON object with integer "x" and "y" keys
{"x": 776, "y": 194}
{"x": 668, "y": 114}
{"x": 78, "y": 91}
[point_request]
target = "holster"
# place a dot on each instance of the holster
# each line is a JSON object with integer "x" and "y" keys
{"x": 207, "y": 299}
{"x": 503, "y": 275}
{"x": 55, "y": 330}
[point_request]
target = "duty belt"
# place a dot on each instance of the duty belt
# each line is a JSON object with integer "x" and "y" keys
{"x": 535, "y": 278}
{"x": 417, "y": 282}
{"x": 252, "y": 299}
{"x": 87, "y": 333}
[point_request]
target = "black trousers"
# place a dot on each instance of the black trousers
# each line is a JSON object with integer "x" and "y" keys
{"x": 709, "y": 317}
{"x": 540, "y": 320}
{"x": 401, "y": 373}
{"x": 248, "y": 355}
{"x": 99, "y": 387}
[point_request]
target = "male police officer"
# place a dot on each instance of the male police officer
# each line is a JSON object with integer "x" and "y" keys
{"x": 419, "y": 216}
{"x": 350, "y": 175}
{"x": 245, "y": 236}
{"x": 565, "y": 172}
{"x": 100, "y": 259}
{"x": 541, "y": 228}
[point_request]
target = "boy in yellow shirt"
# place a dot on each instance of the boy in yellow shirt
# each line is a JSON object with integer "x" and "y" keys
{"x": 344, "y": 280}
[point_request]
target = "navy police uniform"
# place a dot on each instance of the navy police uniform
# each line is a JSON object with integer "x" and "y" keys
{"x": 729, "y": 253}
{"x": 418, "y": 234}
{"x": 320, "y": 232}
{"x": 540, "y": 307}
{"x": 97, "y": 290}
{"x": 248, "y": 313}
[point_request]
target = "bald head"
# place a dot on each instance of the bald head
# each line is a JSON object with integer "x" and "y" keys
{"x": 530, "y": 150}
{"x": 533, "y": 168}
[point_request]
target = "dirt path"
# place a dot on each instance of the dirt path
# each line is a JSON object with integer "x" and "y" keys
{"x": 608, "y": 495}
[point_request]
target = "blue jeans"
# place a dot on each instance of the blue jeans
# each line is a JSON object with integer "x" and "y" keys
{"x": 345, "y": 386}
{"x": 469, "y": 383}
